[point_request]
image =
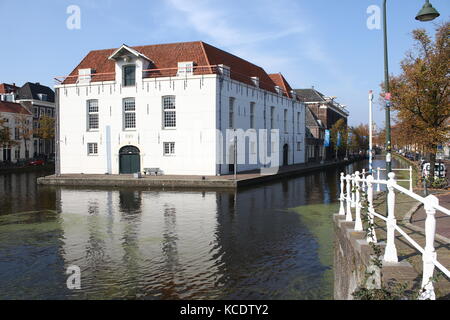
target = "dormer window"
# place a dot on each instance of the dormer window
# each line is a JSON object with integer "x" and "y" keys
{"x": 42, "y": 96}
{"x": 129, "y": 75}
{"x": 85, "y": 75}
{"x": 224, "y": 70}
{"x": 278, "y": 90}
{"x": 185, "y": 68}
{"x": 255, "y": 81}
{"x": 294, "y": 94}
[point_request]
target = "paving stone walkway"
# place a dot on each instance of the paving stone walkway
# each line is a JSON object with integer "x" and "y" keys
{"x": 404, "y": 207}
{"x": 442, "y": 220}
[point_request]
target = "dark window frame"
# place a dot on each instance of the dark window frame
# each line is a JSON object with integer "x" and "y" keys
{"x": 128, "y": 80}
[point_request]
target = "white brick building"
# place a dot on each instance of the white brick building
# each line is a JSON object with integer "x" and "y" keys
{"x": 169, "y": 107}
{"x": 15, "y": 120}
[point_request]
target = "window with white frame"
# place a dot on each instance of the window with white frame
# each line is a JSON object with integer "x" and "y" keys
{"x": 42, "y": 96}
{"x": 231, "y": 113}
{"x": 299, "y": 146}
{"x": 129, "y": 114}
{"x": 169, "y": 148}
{"x": 92, "y": 112}
{"x": 169, "y": 112}
{"x": 92, "y": 149}
{"x": 185, "y": 68}
{"x": 272, "y": 117}
{"x": 252, "y": 115}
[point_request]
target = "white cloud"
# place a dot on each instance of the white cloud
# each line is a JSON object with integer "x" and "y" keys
{"x": 262, "y": 35}
{"x": 206, "y": 18}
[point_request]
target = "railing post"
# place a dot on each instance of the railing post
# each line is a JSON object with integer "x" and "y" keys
{"x": 353, "y": 191}
{"x": 411, "y": 178}
{"x": 363, "y": 184}
{"x": 342, "y": 196}
{"x": 371, "y": 236}
{"x": 378, "y": 178}
{"x": 358, "y": 222}
{"x": 349, "y": 199}
{"x": 390, "y": 254}
{"x": 430, "y": 254}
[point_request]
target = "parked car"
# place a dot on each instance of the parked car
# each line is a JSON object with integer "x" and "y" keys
{"x": 36, "y": 163}
{"x": 440, "y": 171}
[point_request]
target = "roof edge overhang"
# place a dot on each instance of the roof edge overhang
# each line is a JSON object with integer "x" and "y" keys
{"x": 134, "y": 52}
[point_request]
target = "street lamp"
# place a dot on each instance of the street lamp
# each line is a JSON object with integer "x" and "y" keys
{"x": 428, "y": 13}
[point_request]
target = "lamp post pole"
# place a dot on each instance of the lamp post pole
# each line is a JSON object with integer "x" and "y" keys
{"x": 386, "y": 90}
{"x": 370, "y": 133}
{"x": 427, "y": 13}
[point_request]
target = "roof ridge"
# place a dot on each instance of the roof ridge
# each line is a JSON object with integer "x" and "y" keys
{"x": 231, "y": 54}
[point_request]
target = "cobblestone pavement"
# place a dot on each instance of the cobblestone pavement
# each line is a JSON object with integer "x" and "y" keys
{"x": 442, "y": 220}
{"x": 404, "y": 206}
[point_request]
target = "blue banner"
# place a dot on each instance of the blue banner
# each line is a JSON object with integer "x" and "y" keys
{"x": 349, "y": 140}
{"x": 327, "y": 138}
{"x": 339, "y": 139}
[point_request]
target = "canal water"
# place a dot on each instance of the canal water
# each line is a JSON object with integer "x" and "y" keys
{"x": 272, "y": 241}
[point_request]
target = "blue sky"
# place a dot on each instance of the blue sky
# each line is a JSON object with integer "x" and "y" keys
{"x": 321, "y": 43}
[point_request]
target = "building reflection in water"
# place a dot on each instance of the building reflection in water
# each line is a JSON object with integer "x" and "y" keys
{"x": 249, "y": 244}
{"x": 139, "y": 243}
{"x": 19, "y": 193}
{"x": 263, "y": 242}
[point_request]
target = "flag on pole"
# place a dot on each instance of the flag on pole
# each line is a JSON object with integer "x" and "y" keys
{"x": 327, "y": 138}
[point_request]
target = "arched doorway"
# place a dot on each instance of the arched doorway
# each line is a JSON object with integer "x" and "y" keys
{"x": 129, "y": 160}
{"x": 285, "y": 155}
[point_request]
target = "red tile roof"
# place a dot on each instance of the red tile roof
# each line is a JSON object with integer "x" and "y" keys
{"x": 13, "y": 107}
{"x": 280, "y": 81}
{"x": 168, "y": 55}
{"x": 8, "y": 88}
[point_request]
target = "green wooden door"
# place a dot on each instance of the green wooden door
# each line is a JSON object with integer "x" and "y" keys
{"x": 129, "y": 160}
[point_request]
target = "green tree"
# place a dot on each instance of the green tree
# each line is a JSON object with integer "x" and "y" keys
{"x": 46, "y": 128}
{"x": 5, "y": 134}
{"x": 360, "y": 138}
{"x": 24, "y": 125}
{"x": 339, "y": 129}
{"x": 420, "y": 94}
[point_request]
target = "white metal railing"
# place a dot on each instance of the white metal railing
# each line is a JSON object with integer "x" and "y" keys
{"x": 379, "y": 170}
{"x": 351, "y": 187}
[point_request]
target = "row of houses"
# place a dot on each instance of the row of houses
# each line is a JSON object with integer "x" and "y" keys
{"x": 187, "y": 109}
{"x": 21, "y": 110}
